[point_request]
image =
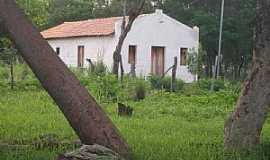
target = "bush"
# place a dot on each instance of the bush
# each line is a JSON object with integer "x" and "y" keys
{"x": 192, "y": 89}
{"x": 219, "y": 85}
{"x": 3, "y": 84}
{"x": 100, "y": 68}
{"x": 140, "y": 90}
{"x": 166, "y": 83}
{"x": 108, "y": 87}
{"x": 4, "y": 72}
{"x": 205, "y": 84}
{"x": 155, "y": 81}
{"x": 158, "y": 82}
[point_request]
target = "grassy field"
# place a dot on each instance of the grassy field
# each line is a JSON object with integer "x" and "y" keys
{"x": 165, "y": 126}
{"x": 187, "y": 125}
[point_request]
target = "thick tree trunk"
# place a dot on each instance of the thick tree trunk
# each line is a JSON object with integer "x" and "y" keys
{"x": 2, "y": 28}
{"x": 243, "y": 128}
{"x": 81, "y": 110}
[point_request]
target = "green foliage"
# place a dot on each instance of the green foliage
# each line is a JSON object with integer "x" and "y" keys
{"x": 23, "y": 77}
{"x": 155, "y": 81}
{"x": 36, "y": 10}
{"x": 108, "y": 87}
{"x": 163, "y": 126}
{"x": 140, "y": 90}
{"x": 189, "y": 122}
{"x": 4, "y": 73}
{"x": 239, "y": 24}
{"x": 69, "y": 10}
{"x": 205, "y": 84}
{"x": 165, "y": 83}
{"x": 195, "y": 61}
{"x": 100, "y": 68}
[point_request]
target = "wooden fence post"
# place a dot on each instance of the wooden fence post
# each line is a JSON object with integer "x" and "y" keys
{"x": 174, "y": 69}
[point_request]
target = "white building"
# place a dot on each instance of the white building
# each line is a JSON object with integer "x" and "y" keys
{"x": 153, "y": 42}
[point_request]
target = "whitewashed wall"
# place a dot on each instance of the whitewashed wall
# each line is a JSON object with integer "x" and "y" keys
{"x": 149, "y": 30}
{"x": 160, "y": 30}
{"x": 94, "y": 48}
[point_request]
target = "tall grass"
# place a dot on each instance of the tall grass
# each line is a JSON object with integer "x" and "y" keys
{"x": 186, "y": 125}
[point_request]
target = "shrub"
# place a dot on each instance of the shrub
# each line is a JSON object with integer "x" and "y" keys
{"x": 193, "y": 89}
{"x": 166, "y": 83}
{"x": 140, "y": 90}
{"x": 108, "y": 87}
{"x": 24, "y": 78}
{"x": 3, "y": 84}
{"x": 158, "y": 82}
{"x": 205, "y": 84}
{"x": 100, "y": 68}
{"x": 4, "y": 72}
{"x": 179, "y": 85}
{"x": 219, "y": 85}
{"x": 155, "y": 81}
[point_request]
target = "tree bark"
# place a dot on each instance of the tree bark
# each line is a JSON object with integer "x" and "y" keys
{"x": 122, "y": 68}
{"x": 2, "y": 28}
{"x": 81, "y": 110}
{"x": 243, "y": 128}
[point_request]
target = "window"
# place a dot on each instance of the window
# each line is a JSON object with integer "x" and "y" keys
{"x": 132, "y": 54}
{"x": 58, "y": 51}
{"x": 183, "y": 56}
{"x": 80, "y": 56}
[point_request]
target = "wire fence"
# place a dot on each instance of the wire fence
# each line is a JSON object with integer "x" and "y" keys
{"x": 8, "y": 55}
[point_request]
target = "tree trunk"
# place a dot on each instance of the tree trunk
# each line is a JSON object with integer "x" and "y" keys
{"x": 122, "y": 69}
{"x": 125, "y": 30}
{"x": 241, "y": 66}
{"x": 81, "y": 110}
{"x": 243, "y": 128}
{"x": 2, "y": 28}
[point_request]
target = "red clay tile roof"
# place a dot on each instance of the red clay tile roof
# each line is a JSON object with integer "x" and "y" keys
{"x": 87, "y": 28}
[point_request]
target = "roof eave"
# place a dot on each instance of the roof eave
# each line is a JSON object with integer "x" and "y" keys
{"x": 80, "y": 36}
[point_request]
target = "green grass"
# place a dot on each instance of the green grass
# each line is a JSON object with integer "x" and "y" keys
{"x": 164, "y": 126}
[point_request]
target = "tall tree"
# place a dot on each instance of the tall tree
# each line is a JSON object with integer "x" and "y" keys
{"x": 36, "y": 10}
{"x": 69, "y": 10}
{"x": 238, "y": 29}
{"x": 83, "y": 113}
{"x": 243, "y": 128}
{"x": 134, "y": 11}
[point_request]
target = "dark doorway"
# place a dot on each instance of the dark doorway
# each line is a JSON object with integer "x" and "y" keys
{"x": 80, "y": 56}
